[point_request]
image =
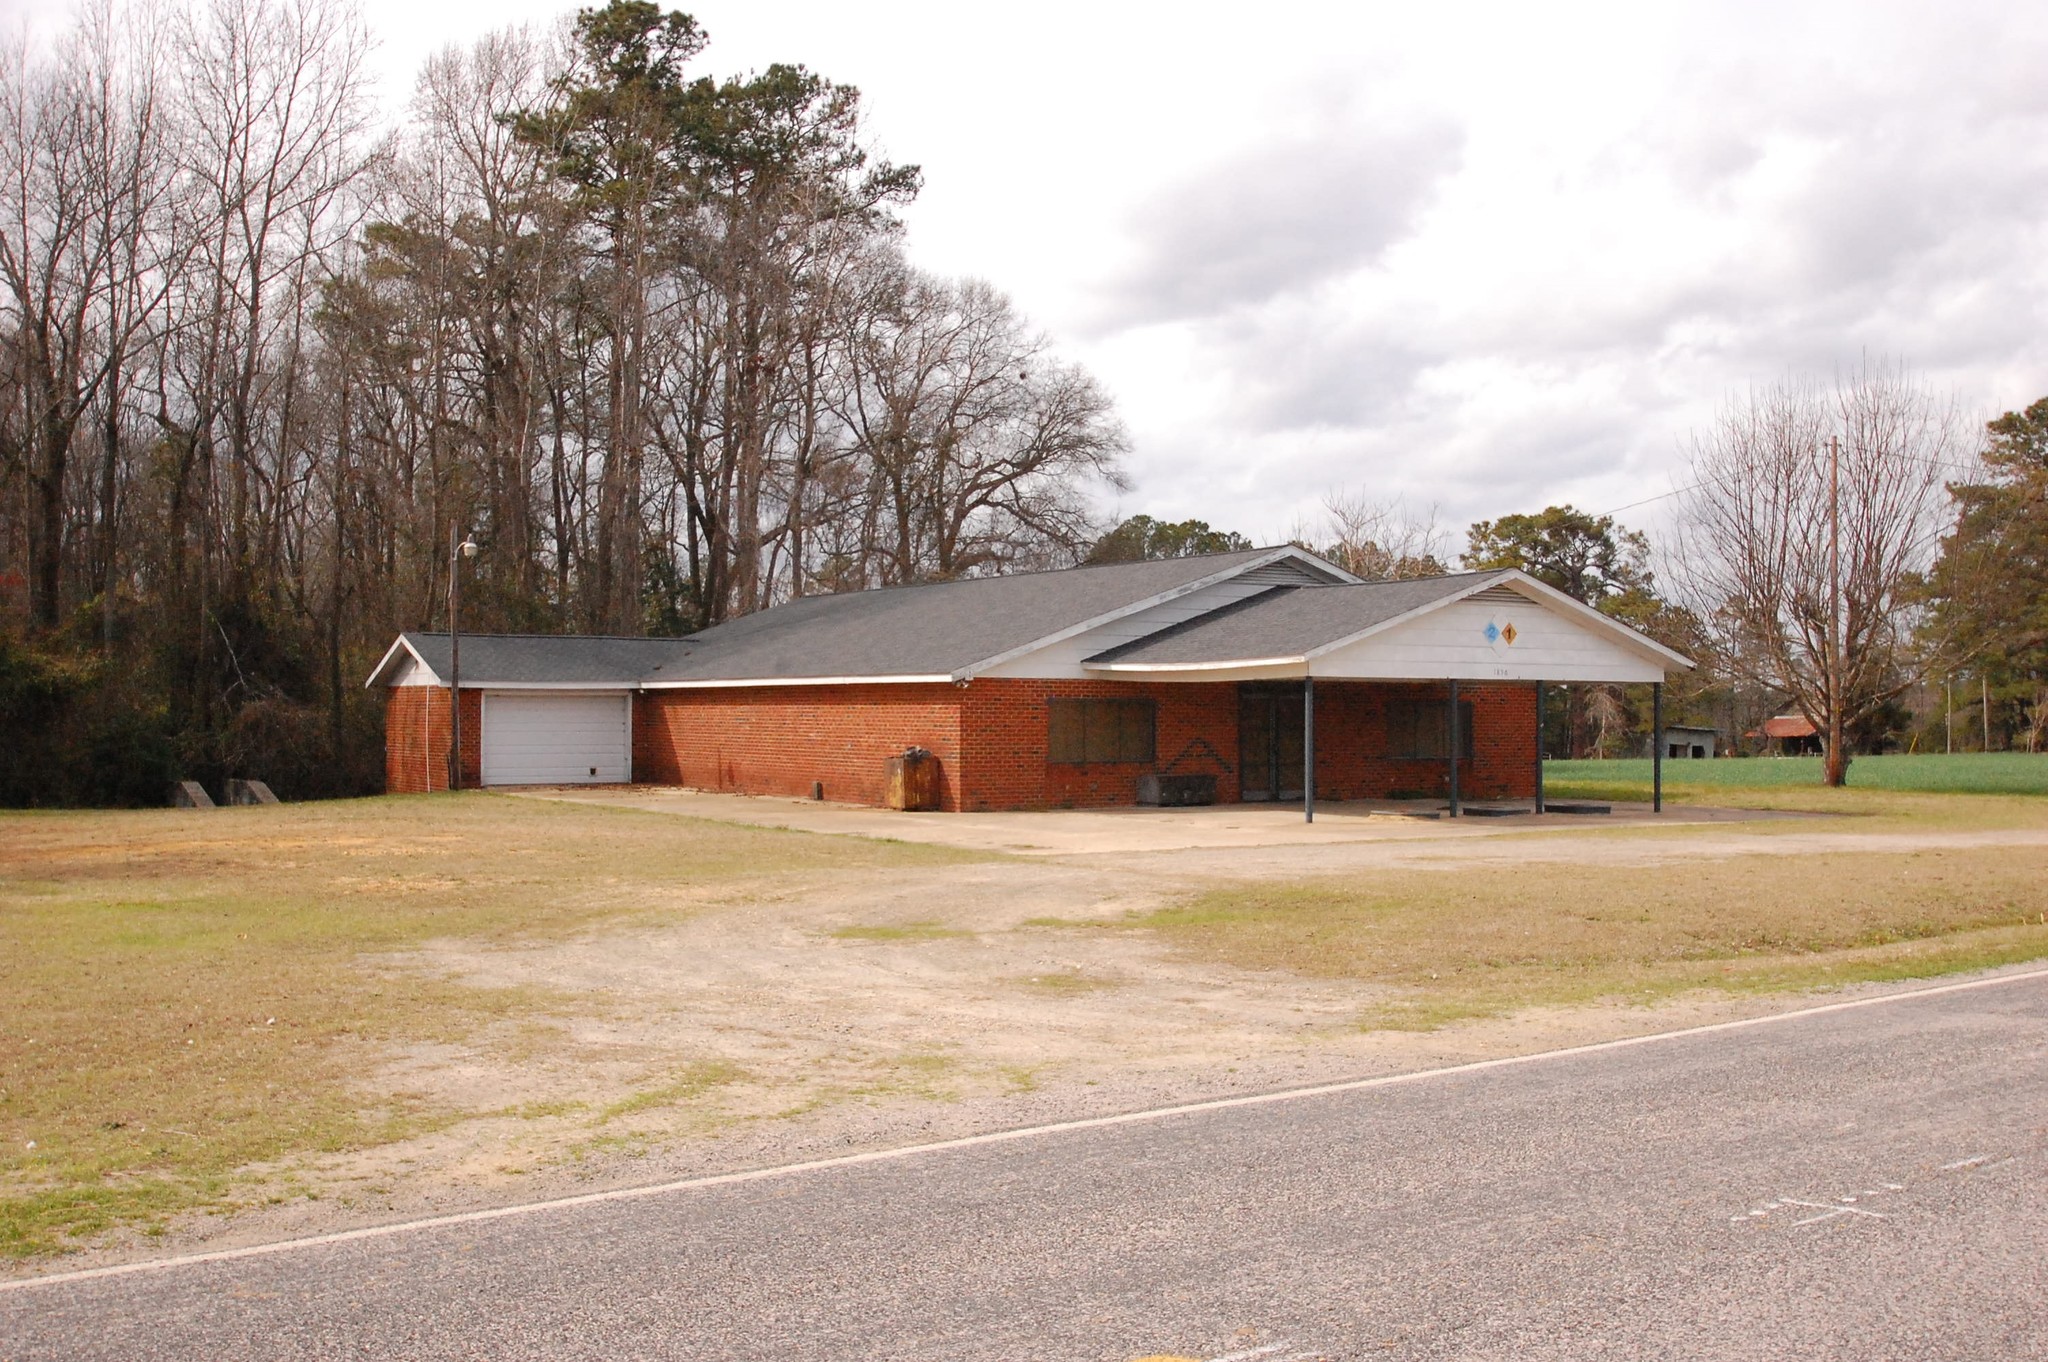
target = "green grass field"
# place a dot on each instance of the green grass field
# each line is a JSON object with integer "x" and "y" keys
{"x": 2001, "y": 773}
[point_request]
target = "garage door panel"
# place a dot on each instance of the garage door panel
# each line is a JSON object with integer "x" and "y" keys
{"x": 556, "y": 739}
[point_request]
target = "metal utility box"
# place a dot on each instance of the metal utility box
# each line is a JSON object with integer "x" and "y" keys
{"x": 1174, "y": 792}
{"x": 913, "y": 781}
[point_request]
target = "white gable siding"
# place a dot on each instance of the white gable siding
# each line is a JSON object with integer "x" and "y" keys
{"x": 409, "y": 672}
{"x": 1062, "y": 660}
{"x": 1451, "y": 642}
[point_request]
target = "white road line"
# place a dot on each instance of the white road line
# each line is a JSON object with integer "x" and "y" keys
{"x": 1960, "y": 1164}
{"x": 996, "y": 1137}
{"x": 1827, "y": 1212}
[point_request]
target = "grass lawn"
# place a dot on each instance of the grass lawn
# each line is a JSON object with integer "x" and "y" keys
{"x": 189, "y": 993}
{"x": 1985, "y": 773}
{"x": 1490, "y": 941}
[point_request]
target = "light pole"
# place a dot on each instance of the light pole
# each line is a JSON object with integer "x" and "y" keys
{"x": 456, "y": 553}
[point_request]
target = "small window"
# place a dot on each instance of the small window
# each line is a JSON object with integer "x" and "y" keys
{"x": 1084, "y": 731}
{"x": 1417, "y": 730}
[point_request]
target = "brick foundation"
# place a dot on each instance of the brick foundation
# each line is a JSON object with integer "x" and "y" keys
{"x": 990, "y": 738}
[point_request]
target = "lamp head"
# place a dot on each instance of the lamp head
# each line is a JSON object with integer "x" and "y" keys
{"x": 469, "y": 547}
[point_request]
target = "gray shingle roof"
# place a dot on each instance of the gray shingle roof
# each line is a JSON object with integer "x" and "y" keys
{"x": 1290, "y": 622}
{"x": 937, "y": 629}
{"x": 527, "y": 659}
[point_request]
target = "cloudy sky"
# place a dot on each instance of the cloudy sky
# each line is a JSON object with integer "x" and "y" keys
{"x": 1478, "y": 257}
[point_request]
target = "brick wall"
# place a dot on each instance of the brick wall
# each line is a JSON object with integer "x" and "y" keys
{"x": 1351, "y": 738}
{"x": 1005, "y": 743}
{"x": 779, "y": 739}
{"x": 416, "y": 739}
{"x": 1005, "y": 739}
{"x": 990, "y": 739}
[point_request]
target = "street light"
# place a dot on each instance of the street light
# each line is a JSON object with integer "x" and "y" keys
{"x": 456, "y": 553}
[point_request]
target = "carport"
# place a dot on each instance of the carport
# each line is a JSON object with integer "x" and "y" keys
{"x": 1392, "y": 633}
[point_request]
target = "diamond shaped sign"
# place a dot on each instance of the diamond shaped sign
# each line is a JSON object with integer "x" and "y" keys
{"x": 1507, "y": 635}
{"x": 1492, "y": 632}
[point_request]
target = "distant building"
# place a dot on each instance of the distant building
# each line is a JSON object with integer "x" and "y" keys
{"x": 1682, "y": 741}
{"x": 1788, "y": 735}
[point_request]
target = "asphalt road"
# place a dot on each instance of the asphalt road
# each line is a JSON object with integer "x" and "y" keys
{"x": 1862, "y": 1183}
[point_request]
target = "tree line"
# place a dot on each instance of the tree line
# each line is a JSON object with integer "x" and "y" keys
{"x": 1842, "y": 550}
{"x": 646, "y": 333}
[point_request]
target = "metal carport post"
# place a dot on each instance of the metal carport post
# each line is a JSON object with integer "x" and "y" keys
{"x": 1656, "y": 747}
{"x": 1455, "y": 736}
{"x": 1308, "y": 749}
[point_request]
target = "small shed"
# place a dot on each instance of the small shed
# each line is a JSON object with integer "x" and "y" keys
{"x": 1686, "y": 741}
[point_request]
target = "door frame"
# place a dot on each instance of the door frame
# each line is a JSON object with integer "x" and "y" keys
{"x": 1272, "y": 784}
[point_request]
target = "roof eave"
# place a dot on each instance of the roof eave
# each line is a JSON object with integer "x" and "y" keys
{"x": 1231, "y": 664}
{"x": 904, "y": 679}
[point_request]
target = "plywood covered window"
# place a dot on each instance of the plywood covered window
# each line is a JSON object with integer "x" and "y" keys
{"x": 1419, "y": 730}
{"x": 1082, "y": 731}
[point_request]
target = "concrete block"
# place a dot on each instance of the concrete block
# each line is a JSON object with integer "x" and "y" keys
{"x": 250, "y": 792}
{"x": 190, "y": 794}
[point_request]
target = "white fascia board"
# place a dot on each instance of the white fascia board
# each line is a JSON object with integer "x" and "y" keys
{"x": 1195, "y": 667}
{"x": 392, "y": 654}
{"x": 901, "y": 680}
{"x": 1285, "y": 553}
{"x": 1543, "y": 593}
{"x": 1189, "y": 673}
{"x": 594, "y": 687}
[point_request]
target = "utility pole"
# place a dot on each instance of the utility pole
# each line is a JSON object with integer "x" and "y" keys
{"x": 454, "y": 660}
{"x": 456, "y": 553}
{"x": 1838, "y": 765}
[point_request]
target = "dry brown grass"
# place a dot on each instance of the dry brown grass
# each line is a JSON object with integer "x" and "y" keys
{"x": 192, "y": 992}
{"x": 1488, "y": 941}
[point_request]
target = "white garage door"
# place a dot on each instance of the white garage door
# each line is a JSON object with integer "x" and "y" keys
{"x": 549, "y": 738}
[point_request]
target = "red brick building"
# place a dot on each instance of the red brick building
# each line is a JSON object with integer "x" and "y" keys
{"x": 1210, "y": 677}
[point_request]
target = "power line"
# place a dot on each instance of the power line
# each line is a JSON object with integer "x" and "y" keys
{"x": 1694, "y": 487}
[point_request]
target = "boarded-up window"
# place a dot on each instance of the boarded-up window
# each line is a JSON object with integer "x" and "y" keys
{"x": 1081, "y": 731}
{"x": 1420, "y": 729}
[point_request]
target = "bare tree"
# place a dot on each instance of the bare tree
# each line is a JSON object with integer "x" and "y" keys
{"x": 1382, "y": 540}
{"x": 275, "y": 101}
{"x": 84, "y": 172}
{"x": 1809, "y": 511}
{"x": 980, "y": 444}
